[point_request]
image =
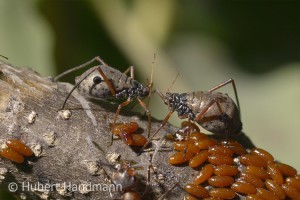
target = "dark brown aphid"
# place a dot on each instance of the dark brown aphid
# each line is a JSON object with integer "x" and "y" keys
{"x": 214, "y": 111}
{"x": 105, "y": 82}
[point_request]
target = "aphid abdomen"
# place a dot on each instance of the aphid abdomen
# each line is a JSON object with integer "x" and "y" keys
{"x": 119, "y": 80}
{"x": 213, "y": 120}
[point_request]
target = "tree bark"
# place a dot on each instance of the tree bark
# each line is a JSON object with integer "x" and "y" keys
{"x": 66, "y": 150}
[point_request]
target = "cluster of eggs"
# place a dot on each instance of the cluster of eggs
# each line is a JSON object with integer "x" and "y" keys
{"x": 127, "y": 132}
{"x": 15, "y": 150}
{"x": 228, "y": 170}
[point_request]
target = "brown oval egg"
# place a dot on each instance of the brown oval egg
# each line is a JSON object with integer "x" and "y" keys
{"x": 220, "y": 160}
{"x": 12, "y": 155}
{"x": 257, "y": 171}
{"x": 204, "y": 174}
{"x": 198, "y": 159}
{"x": 243, "y": 188}
{"x": 126, "y": 138}
{"x": 205, "y": 143}
{"x": 236, "y": 147}
{"x": 138, "y": 140}
{"x": 181, "y": 145}
{"x": 290, "y": 191}
{"x": 19, "y": 147}
{"x": 252, "y": 179}
{"x": 274, "y": 187}
{"x": 189, "y": 197}
{"x": 223, "y": 193}
{"x": 253, "y": 197}
{"x": 226, "y": 170}
{"x": 196, "y": 190}
{"x": 252, "y": 160}
{"x": 195, "y": 136}
{"x": 293, "y": 182}
{"x": 220, "y": 181}
{"x": 220, "y": 150}
{"x": 129, "y": 128}
{"x": 263, "y": 154}
{"x": 180, "y": 157}
{"x": 265, "y": 194}
{"x": 286, "y": 170}
{"x": 212, "y": 198}
{"x": 275, "y": 173}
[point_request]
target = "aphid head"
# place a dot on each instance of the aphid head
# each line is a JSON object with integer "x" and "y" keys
{"x": 124, "y": 175}
{"x": 92, "y": 83}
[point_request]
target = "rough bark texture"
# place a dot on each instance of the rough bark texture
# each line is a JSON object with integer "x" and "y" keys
{"x": 65, "y": 150}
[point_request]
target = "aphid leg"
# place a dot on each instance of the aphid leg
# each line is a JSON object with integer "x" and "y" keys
{"x": 109, "y": 84}
{"x": 160, "y": 127}
{"x": 234, "y": 89}
{"x": 4, "y": 57}
{"x": 125, "y": 103}
{"x": 169, "y": 190}
{"x": 188, "y": 137}
{"x": 131, "y": 70}
{"x": 148, "y": 113}
{"x": 75, "y": 86}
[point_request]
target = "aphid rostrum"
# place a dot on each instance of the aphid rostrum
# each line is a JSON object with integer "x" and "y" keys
{"x": 214, "y": 111}
{"x": 105, "y": 82}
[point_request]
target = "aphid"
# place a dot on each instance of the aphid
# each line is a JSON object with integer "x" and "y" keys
{"x": 126, "y": 177}
{"x": 214, "y": 111}
{"x": 15, "y": 151}
{"x": 105, "y": 82}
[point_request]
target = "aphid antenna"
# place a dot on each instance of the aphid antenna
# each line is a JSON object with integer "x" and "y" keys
{"x": 173, "y": 82}
{"x": 169, "y": 190}
{"x": 80, "y": 67}
{"x": 112, "y": 167}
{"x": 75, "y": 86}
{"x": 4, "y": 57}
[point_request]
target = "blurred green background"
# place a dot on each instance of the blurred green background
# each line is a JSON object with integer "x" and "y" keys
{"x": 256, "y": 43}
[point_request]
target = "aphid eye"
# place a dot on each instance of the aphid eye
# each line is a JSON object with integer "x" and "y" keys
{"x": 97, "y": 79}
